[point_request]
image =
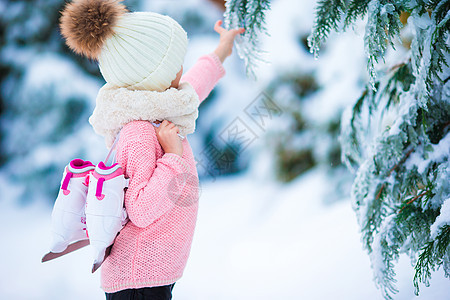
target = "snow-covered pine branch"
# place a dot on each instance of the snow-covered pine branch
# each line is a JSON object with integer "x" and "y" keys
{"x": 396, "y": 136}
{"x": 249, "y": 14}
{"x": 328, "y": 17}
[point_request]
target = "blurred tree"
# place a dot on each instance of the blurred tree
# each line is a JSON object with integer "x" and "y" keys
{"x": 294, "y": 148}
{"x": 302, "y": 140}
{"x": 219, "y": 3}
{"x": 46, "y": 97}
{"x": 395, "y": 137}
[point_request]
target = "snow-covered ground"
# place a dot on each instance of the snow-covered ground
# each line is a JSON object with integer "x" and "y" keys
{"x": 255, "y": 239}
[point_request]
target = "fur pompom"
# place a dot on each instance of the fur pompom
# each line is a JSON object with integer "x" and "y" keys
{"x": 86, "y": 24}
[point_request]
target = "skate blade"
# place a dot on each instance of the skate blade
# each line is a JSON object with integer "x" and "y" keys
{"x": 97, "y": 265}
{"x": 71, "y": 248}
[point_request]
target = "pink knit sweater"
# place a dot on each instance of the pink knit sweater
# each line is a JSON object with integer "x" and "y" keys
{"x": 153, "y": 248}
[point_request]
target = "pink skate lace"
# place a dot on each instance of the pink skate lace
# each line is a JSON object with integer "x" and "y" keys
{"x": 98, "y": 191}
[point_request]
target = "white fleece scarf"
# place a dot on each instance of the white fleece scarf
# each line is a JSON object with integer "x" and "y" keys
{"x": 116, "y": 107}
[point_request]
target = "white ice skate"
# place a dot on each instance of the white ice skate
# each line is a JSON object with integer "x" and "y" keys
{"x": 105, "y": 212}
{"x": 68, "y": 217}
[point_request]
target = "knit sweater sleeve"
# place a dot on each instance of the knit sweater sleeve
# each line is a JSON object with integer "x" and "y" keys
{"x": 148, "y": 197}
{"x": 204, "y": 75}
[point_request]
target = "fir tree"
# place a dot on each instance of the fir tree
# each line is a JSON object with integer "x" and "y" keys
{"x": 42, "y": 104}
{"x": 46, "y": 96}
{"x": 249, "y": 14}
{"x": 396, "y": 138}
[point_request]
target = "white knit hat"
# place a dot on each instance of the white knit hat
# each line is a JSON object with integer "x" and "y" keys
{"x": 139, "y": 50}
{"x": 145, "y": 53}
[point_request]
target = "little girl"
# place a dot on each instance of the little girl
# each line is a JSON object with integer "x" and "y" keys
{"x": 140, "y": 56}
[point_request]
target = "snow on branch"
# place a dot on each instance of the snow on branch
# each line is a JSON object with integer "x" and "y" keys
{"x": 396, "y": 136}
{"x": 249, "y": 14}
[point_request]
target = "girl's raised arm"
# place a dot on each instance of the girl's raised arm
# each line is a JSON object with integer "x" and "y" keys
{"x": 207, "y": 71}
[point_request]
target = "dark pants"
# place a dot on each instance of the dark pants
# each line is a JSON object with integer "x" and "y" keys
{"x": 150, "y": 293}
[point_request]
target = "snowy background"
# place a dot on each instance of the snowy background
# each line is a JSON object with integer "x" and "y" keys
{"x": 276, "y": 223}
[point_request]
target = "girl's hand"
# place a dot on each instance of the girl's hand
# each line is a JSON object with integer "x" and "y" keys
{"x": 227, "y": 37}
{"x": 167, "y": 134}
